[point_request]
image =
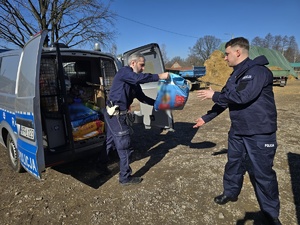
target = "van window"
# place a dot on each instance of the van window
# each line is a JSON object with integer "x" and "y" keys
{"x": 78, "y": 72}
{"x": 109, "y": 72}
{"x": 8, "y": 74}
{"x": 48, "y": 85}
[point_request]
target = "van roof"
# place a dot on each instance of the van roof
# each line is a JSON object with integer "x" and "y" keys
{"x": 5, "y": 50}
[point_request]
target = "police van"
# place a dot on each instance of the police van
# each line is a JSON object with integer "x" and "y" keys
{"x": 51, "y": 101}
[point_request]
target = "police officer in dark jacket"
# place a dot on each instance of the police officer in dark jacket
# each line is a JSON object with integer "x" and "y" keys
{"x": 125, "y": 87}
{"x": 248, "y": 94}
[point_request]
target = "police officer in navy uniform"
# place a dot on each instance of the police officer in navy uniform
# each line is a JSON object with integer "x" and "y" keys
{"x": 248, "y": 94}
{"x": 125, "y": 87}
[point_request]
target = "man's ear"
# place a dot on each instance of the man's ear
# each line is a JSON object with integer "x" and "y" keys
{"x": 131, "y": 63}
{"x": 238, "y": 52}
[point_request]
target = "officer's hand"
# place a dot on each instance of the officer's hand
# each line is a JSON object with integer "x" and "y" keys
{"x": 199, "y": 123}
{"x": 164, "y": 76}
{"x": 205, "y": 94}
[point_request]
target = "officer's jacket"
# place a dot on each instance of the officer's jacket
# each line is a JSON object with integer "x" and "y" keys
{"x": 248, "y": 94}
{"x": 126, "y": 87}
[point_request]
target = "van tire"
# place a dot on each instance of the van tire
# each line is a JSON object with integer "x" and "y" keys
{"x": 13, "y": 155}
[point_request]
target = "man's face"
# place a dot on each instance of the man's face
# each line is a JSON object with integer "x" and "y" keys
{"x": 231, "y": 55}
{"x": 138, "y": 66}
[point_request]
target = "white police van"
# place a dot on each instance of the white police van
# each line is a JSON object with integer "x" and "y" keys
{"x": 48, "y": 94}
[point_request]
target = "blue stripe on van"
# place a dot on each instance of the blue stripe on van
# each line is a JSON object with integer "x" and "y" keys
{"x": 9, "y": 117}
{"x": 27, "y": 156}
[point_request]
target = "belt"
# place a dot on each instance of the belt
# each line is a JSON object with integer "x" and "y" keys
{"x": 123, "y": 112}
{"x": 114, "y": 111}
{"x": 120, "y": 113}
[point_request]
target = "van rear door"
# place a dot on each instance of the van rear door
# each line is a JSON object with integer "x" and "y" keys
{"x": 28, "y": 115}
{"x": 155, "y": 65}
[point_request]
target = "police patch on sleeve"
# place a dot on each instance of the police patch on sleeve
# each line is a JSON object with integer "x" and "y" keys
{"x": 247, "y": 77}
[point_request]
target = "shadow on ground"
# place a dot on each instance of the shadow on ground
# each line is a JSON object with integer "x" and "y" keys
{"x": 294, "y": 166}
{"x": 256, "y": 217}
{"x": 154, "y": 143}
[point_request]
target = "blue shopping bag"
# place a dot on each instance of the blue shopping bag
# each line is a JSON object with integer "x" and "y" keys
{"x": 172, "y": 93}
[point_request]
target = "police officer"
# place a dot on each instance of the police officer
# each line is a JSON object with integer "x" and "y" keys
{"x": 252, "y": 143}
{"x": 125, "y": 87}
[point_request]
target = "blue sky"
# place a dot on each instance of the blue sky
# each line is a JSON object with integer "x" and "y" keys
{"x": 179, "y": 24}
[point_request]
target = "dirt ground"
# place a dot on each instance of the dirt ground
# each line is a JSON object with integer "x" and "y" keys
{"x": 182, "y": 172}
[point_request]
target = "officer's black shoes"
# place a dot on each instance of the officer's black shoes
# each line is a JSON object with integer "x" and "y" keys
{"x": 132, "y": 180}
{"x": 223, "y": 199}
{"x": 275, "y": 221}
{"x": 269, "y": 220}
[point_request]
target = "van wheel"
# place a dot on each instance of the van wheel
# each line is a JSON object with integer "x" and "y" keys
{"x": 13, "y": 155}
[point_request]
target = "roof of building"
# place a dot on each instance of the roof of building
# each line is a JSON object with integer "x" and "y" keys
{"x": 177, "y": 67}
{"x": 296, "y": 64}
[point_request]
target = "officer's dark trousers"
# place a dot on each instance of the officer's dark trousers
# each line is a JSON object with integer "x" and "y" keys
{"x": 254, "y": 154}
{"x": 118, "y": 136}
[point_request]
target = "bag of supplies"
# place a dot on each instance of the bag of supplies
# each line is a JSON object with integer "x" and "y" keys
{"x": 172, "y": 93}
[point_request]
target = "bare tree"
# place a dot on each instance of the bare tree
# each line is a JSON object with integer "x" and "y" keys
{"x": 205, "y": 46}
{"x": 72, "y": 22}
{"x": 113, "y": 49}
{"x": 193, "y": 60}
{"x": 176, "y": 59}
{"x": 269, "y": 41}
{"x": 292, "y": 51}
{"x": 257, "y": 41}
{"x": 284, "y": 44}
{"x": 164, "y": 53}
{"x": 277, "y": 42}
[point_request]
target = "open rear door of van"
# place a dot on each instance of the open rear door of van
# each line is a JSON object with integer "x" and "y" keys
{"x": 28, "y": 115}
{"x": 155, "y": 65}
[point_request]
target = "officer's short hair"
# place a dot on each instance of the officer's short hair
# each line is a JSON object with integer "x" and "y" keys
{"x": 135, "y": 57}
{"x": 239, "y": 41}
